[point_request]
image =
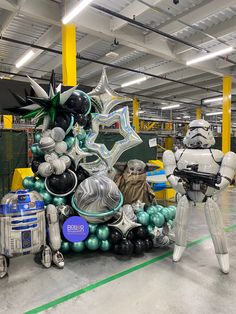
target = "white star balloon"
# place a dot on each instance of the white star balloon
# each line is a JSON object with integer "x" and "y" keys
{"x": 124, "y": 224}
{"x": 105, "y": 97}
{"x": 130, "y": 140}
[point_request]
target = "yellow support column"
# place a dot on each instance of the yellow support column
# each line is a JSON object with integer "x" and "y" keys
{"x": 135, "y": 114}
{"x": 7, "y": 121}
{"x": 169, "y": 139}
{"x": 226, "y": 119}
{"x": 198, "y": 113}
{"x": 69, "y": 55}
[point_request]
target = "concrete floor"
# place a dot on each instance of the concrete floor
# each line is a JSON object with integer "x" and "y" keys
{"x": 195, "y": 285}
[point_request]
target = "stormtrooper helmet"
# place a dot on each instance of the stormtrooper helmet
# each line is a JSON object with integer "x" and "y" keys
{"x": 136, "y": 166}
{"x": 199, "y": 135}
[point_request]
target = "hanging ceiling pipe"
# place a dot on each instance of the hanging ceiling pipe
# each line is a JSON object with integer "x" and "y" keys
{"x": 154, "y": 30}
{"x": 109, "y": 65}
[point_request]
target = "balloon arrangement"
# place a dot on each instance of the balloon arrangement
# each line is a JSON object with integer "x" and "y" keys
{"x": 64, "y": 178}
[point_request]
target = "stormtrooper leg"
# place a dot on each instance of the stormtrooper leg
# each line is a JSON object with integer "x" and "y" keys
{"x": 3, "y": 266}
{"x": 180, "y": 227}
{"x": 216, "y": 228}
{"x": 54, "y": 235}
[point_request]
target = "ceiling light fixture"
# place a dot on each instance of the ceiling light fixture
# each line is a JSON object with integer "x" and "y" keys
{"x": 137, "y": 81}
{"x": 186, "y": 117}
{"x": 74, "y": 12}
{"x": 214, "y": 113}
{"x": 170, "y": 107}
{"x": 141, "y": 111}
{"x": 24, "y": 59}
{"x": 210, "y": 55}
{"x": 214, "y": 99}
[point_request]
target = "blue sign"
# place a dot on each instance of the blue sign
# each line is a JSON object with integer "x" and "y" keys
{"x": 75, "y": 229}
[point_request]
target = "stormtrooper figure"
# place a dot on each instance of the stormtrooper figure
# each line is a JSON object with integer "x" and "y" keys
{"x": 197, "y": 173}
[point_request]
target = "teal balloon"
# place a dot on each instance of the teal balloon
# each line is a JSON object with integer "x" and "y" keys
{"x": 150, "y": 229}
{"x": 172, "y": 210}
{"x": 157, "y": 220}
{"x": 143, "y": 218}
{"x": 39, "y": 185}
{"x": 92, "y": 242}
{"x": 151, "y": 209}
{"x": 105, "y": 245}
{"x": 171, "y": 223}
{"x": 46, "y": 197}
{"x": 36, "y": 151}
{"x": 65, "y": 247}
{"x": 77, "y": 246}
{"x": 166, "y": 213}
{"x": 82, "y": 135}
{"x": 57, "y": 200}
{"x": 37, "y": 137}
{"x": 92, "y": 228}
{"x": 69, "y": 141}
{"x": 102, "y": 232}
{"x": 28, "y": 183}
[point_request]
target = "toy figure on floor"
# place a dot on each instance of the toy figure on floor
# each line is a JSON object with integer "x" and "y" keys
{"x": 132, "y": 183}
{"x": 23, "y": 229}
{"x": 198, "y": 173}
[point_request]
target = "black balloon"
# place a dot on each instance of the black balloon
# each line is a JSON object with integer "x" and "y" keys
{"x": 81, "y": 119}
{"x": 62, "y": 120}
{"x": 115, "y": 237}
{"x": 148, "y": 244}
{"x": 34, "y": 165}
{"x": 89, "y": 122}
{"x": 140, "y": 233}
{"x": 130, "y": 235}
{"x": 61, "y": 184}
{"x": 139, "y": 246}
{"x": 78, "y": 102}
{"x": 126, "y": 247}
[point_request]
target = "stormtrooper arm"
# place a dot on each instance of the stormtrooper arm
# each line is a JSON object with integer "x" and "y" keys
{"x": 53, "y": 228}
{"x": 227, "y": 170}
{"x": 170, "y": 165}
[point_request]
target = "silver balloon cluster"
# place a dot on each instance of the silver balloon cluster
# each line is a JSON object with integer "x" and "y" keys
{"x": 52, "y": 144}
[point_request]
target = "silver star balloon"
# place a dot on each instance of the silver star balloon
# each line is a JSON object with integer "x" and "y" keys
{"x": 124, "y": 224}
{"x": 76, "y": 153}
{"x": 94, "y": 167}
{"x": 105, "y": 96}
{"x": 130, "y": 140}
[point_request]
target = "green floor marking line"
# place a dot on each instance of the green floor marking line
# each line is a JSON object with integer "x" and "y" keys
{"x": 117, "y": 276}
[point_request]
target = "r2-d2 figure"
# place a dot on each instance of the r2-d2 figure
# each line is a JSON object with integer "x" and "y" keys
{"x": 23, "y": 229}
{"x": 197, "y": 173}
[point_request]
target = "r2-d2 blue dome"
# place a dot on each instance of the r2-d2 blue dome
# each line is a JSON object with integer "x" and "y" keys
{"x": 22, "y": 223}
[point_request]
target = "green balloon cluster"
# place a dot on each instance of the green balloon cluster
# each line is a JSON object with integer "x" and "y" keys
{"x": 69, "y": 141}
{"x": 97, "y": 239}
{"x": 28, "y": 183}
{"x": 57, "y": 201}
{"x": 156, "y": 216}
{"x": 36, "y": 151}
{"x": 39, "y": 185}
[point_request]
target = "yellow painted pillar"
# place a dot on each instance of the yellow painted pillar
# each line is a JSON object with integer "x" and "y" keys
{"x": 226, "y": 119}
{"x": 69, "y": 55}
{"x": 142, "y": 125}
{"x": 7, "y": 121}
{"x": 135, "y": 114}
{"x": 169, "y": 140}
{"x": 198, "y": 113}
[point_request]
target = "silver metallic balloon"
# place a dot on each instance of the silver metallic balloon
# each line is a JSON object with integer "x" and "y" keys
{"x": 60, "y": 147}
{"x": 97, "y": 198}
{"x": 58, "y": 134}
{"x": 58, "y": 166}
{"x": 66, "y": 160}
{"x": 47, "y": 144}
{"x": 94, "y": 167}
{"x": 76, "y": 153}
{"x": 45, "y": 169}
{"x": 50, "y": 157}
{"x": 130, "y": 140}
{"x": 106, "y": 97}
{"x": 124, "y": 224}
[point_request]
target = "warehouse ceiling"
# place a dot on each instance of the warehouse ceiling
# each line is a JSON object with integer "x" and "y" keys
{"x": 157, "y": 39}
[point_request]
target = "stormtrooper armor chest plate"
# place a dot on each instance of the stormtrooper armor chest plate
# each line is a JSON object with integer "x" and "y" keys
{"x": 208, "y": 161}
